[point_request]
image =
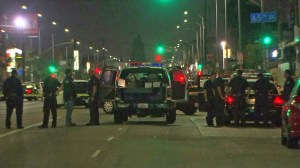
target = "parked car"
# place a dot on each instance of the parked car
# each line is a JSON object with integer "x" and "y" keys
{"x": 82, "y": 94}
{"x": 275, "y": 104}
{"x": 191, "y": 106}
{"x": 143, "y": 91}
{"x": 30, "y": 91}
{"x": 290, "y": 128}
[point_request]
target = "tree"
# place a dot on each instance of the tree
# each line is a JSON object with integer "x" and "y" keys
{"x": 138, "y": 50}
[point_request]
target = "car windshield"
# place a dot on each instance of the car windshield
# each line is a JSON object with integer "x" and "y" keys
{"x": 136, "y": 75}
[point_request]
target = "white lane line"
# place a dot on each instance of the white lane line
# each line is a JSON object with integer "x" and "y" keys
{"x": 110, "y": 138}
{"x": 19, "y": 130}
{"x": 120, "y": 129}
{"x": 96, "y": 153}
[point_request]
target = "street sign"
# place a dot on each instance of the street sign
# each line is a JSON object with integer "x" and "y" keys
{"x": 263, "y": 17}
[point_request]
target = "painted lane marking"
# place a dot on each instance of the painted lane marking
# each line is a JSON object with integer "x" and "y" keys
{"x": 19, "y": 130}
{"x": 96, "y": 153}
{"x": 110, "y": 138}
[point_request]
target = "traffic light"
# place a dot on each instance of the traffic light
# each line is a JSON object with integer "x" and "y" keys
{"x": 199, "y": 67}
{"x": 158, "y": 58}
{"x": 161, "y": 50}
{"x": 199, "y": 73}
{"x": 267, "y": 40}
{"x": 97, "y": 71}
{"x": 52, "y": 69}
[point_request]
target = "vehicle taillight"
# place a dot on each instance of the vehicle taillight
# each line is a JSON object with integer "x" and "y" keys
{"x": 229, "y": 99}
{"x": 278, "y": 101}
{"x": 178, "y": 77}
{"x": 28, "y": 91}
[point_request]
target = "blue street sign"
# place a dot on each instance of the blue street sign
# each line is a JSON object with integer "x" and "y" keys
{"x": 263, "y": 17}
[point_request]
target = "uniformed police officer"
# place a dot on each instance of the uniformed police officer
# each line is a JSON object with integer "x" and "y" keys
{"x": 50, "y": 91}
{"x": 219, "y": 99}
{"x": 70, "y": 94}
{"x": 261, "y": 88}
{"x": 209, "y": 95}
{"x": 93, "y": 93}
{"x": 13, "y": 92}
{"x": 238, "y": 87}
{"x": 288, "y": 85}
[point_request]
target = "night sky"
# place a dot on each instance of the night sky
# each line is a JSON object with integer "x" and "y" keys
{"x": 115, "y": 21}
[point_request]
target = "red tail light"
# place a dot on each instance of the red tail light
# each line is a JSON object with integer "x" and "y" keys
{"x": 230, "y": 99}
{"x": 178, "y": 77}
{"x": 28, "y": 91}
{"x": 278, "y": 101}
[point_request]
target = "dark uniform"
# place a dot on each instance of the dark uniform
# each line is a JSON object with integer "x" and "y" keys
{"x": 238, "y": 86}
{"x": 51, "y": 86}
{"x": 94, "y": 109}
{"x": 219, "y": 102}
{"x": 261, "y": 88}
{"x": 288, "y": 87}
{"x": 13, "y": 92}
{"x": 69, "y": 96}
{"x": 210, "y": 105}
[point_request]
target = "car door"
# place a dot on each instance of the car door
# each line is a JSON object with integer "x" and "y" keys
{"x": 178, "y": 85}
{"x": 107, "y": 84}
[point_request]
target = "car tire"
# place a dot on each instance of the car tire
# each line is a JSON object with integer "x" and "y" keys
{"x": 35, "y": 99}
{"x": 190, "y": 111}
{"x": 29, "y": 99}
{"x": 171, "y": 117}
{"x": 291, "y": 142}
{"x": 108, "y": 107}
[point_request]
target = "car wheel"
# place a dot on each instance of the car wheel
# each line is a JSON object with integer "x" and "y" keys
{"x": 36, "y": 99}
{"x": 29, "y": 99}
{"x": 190, "y": 111}
{"x": 283, "y": 138}
{"x": 171, "y": 117}
{"x": 291, "y": 142}
{"x": 108, "y": 107}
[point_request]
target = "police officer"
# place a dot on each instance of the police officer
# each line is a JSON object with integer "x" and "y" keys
{"x": 219, "y": 85}
{"x": 50, "y": 91}
{"x": 13, "y": 92}
{"x": 261, "y": 88}
{"x": 209, "y": 95}
{"x": 69, "y": 95}
{"x": 93, "y": 93}
{"x": 238, "y": 87}
{"x": 288, "y": 85}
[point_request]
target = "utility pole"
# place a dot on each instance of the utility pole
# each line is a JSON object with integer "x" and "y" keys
{"x": 217, "y": 38}
{"x": 52, "y": 37}
{"x": 204, "y": 33}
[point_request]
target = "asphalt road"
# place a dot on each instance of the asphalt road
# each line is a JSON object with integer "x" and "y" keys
{"x": 141, "y": 142}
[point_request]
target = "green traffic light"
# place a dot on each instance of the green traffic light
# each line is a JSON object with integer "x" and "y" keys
{"x": 199, "y": 66}
{"x": 52, "y": 69}
{"x": 267, "y": 40}
{"x": 160, "y": 50}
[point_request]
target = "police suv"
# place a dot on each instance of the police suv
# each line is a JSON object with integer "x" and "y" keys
{"x": 143, "y": 90}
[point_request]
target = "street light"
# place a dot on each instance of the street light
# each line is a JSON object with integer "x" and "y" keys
{"x": 180, "y": 40}
{"x": 24, "y": 7}
{"x": 91, "y": 48}
{"x": 177, "y": 26}
{"x": 223, "y": 45}
{"x": 20, "y": 22}
{"x": 185, "y": 20}
{"x": 3, "y": 31}
{"x": 39, "y": 15}
{"x": 78, "y": 42}
{"x": 54, "y": 23}
{"x": 67, "y": 30}
{"x": 186, "y": 12}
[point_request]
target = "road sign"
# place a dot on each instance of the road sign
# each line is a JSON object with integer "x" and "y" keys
{"x": 263, "y": 17}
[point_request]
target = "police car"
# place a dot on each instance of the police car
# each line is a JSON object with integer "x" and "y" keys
{"x": 30, "y": 91}
{"x": 143, "y": 90}
{"x": 82, "y": 94}
{"x": 275, "y": 104}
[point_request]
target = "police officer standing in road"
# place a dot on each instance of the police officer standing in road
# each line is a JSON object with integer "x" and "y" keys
{"x": 93, "y": 86}
{"x": 209, "y": 96}
{"x": 261, "y": 88}
{"x": 13, "y": 92}
{"x": 219, "y": 85}
{"x": 70, "y": 94}
{"x": 238, "y": 87}
{"x": 50, "y": 91}
{"x": 288, "y": 85}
